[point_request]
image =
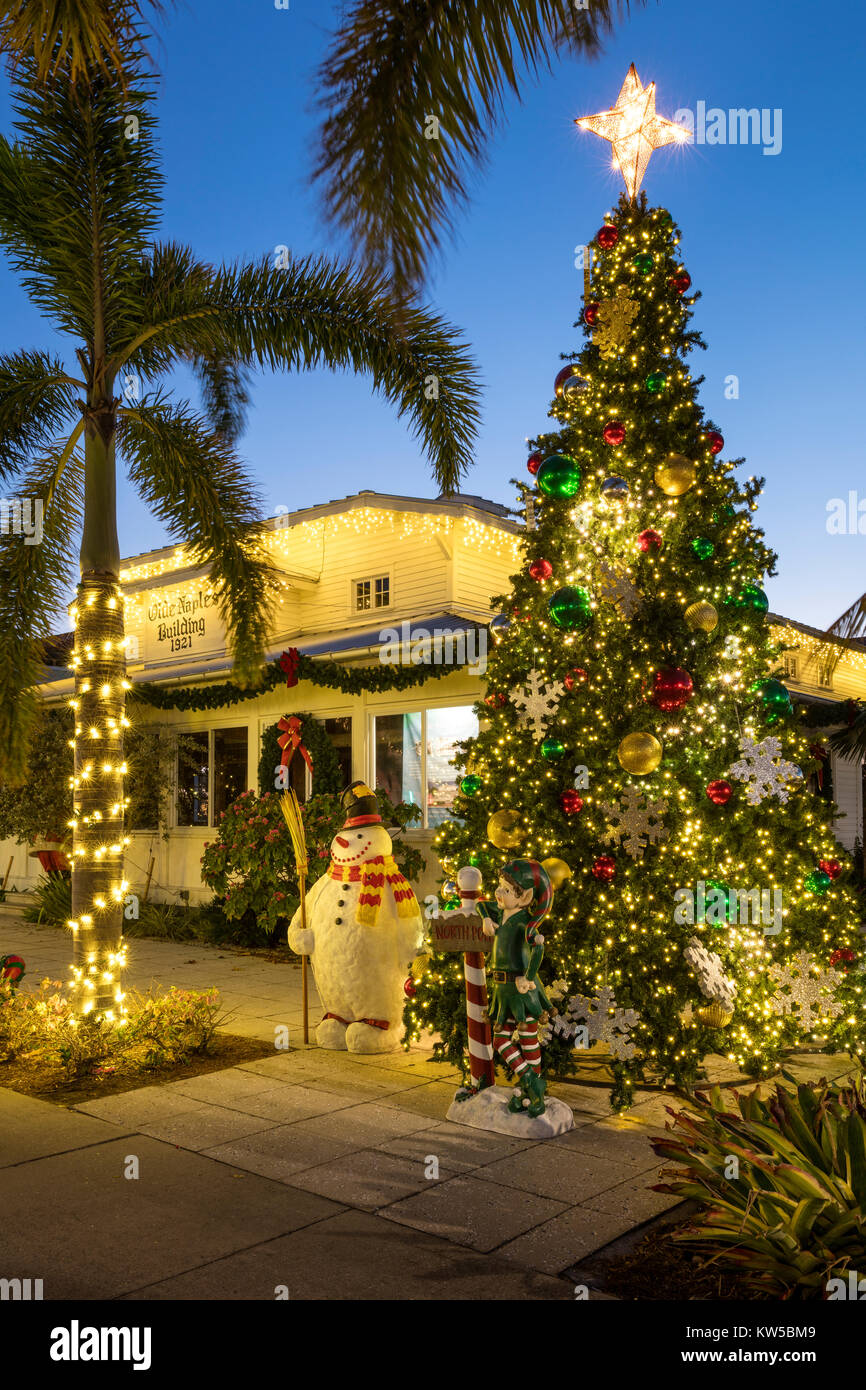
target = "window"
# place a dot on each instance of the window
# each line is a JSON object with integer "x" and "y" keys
{"x": 339, "y": 731}
{"x": 211, "y": 774}
{"x": 825, "y": 675}
{"x": 790, "y": 667}
{"x": 413, "y": 757}
{"x": 372, "y": 593}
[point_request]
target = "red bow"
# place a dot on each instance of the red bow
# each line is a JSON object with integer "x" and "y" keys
{"x": 290, "y": 741}
{"x": 820, "y": 754}
{"x": 289, "y": 662}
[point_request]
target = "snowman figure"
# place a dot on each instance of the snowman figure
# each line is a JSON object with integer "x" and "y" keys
{"x": 364, "y": 926}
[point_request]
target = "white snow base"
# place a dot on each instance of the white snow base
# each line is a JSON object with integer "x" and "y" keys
{"x": 489, "y": 1110}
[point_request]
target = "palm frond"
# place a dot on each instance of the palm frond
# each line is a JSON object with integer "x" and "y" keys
{"x": 851, "y": 742}
{"x": 389, "y": 175}
{"x": 36, "y": 400}
{"x": 34, "y": 585}
{"x": 310, "y": 313}
{"x": 225, "y": 394}
{"x": 79, "y": 200}
{"x": 194, "y": 482}
{"x": 72, "y": 37}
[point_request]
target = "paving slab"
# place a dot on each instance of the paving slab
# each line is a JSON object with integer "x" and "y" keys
{"x": 558, "y": 1244}
{"x": 368, "y": 1179}
{"x": 366, "y": 1125}
{"x": 633, "y": 1201}
{"x": 359, "y": 1256}
{"x": 31, "y": 1129}
{"x": 109, "y": 1235}
{"x": 456, "y": 1147}
{"x": 140, "y": 1107}
{"x": 285, "y": 1104}
{"x": 563, "y": 1173}
{"x": 470, "y": 1210}
{"x": 432, "y": 1099}
{"x": 279, "y": 1153}
{"x": 204, "y": 1127}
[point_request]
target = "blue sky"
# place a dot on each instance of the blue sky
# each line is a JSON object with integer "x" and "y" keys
{"x": 773, "y": 242}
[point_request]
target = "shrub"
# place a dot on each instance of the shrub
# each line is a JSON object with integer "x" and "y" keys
{"x": 251, "y": 865}
{"x": 53, "y": 900}
{"x": 792, "y": 1216}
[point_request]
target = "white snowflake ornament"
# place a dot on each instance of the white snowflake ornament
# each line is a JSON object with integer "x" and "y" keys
{"x": 713, "y": 982}
{"x": 615, "y": 587}
{"x": 764, "y": 769}
{"x": 638, "y": 822}
{"x": 803, "y": 983}
{"x": 605, "y": 1022}
{"x": 537, "y": 701}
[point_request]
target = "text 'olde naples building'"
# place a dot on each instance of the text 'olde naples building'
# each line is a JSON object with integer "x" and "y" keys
{"x": 366, "y": 582}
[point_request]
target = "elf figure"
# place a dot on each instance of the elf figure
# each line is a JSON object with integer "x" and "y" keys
{"x": 516, "y": 995}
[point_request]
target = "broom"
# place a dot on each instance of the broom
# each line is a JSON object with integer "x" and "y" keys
{"x": 291, "y": 809}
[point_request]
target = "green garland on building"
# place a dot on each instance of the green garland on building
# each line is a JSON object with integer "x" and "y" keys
{"x": 372, "y": 679}
{"x": 314, "y": 737}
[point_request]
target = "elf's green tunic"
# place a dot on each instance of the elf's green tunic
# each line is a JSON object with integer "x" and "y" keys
{"x": 513, "y": 954}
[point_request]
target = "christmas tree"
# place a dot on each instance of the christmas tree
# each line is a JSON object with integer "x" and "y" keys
{"x": 634, "y": 736}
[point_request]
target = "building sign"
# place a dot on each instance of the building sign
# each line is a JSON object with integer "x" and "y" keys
{"x": 458, "y": 931}
{"x": 175, "y": 623}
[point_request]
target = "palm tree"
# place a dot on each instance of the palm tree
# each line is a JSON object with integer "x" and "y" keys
{"x": 79, "y": 201}
{"x": 72, "y": 36}
{"x": 390, "y": 175}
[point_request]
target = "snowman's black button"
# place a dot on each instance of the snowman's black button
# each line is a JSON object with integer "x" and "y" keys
{"x": 341, "y": 902}
{"x": 345, "y": 887}
{"x": 339, "y": 921}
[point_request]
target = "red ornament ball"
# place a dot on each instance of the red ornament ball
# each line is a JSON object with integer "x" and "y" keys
{"x": 409, "y": 988}
{"x": 720, "y": 792}
{"x": 716, "y": 442}
{"x": 831, "y": 867}
{"x": 650, "y": 540}
{"x": 575, "y": 677}
{"x": 604, "y": 868}
{"x": 672, "y": 688}
{"x": 533, "y": 463}
{"x": 681, "y": 281}
{"x": 495, "y": 701}
{"x": 607, "y": 236}
{"x": 590, "y": 313}
{"x": 541, "y": 569}
{"x": 571, "y": 803}
{"x": 614, "y": 432}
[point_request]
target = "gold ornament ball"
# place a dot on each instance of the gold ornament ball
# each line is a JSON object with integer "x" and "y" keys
{"x": 714, "y": 1015}
{"x": 639, "y": 753}
{"x": 702, "y": 616}
{"x": 503, "y": 830}
{"x": 557, "y": 871}
{"x": 676, "y": 475}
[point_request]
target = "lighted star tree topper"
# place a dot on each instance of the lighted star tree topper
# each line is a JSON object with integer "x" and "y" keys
{"x": 634, "y": 130}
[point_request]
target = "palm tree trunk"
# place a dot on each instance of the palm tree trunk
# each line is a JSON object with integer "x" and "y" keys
{"x": 98, "y": 888}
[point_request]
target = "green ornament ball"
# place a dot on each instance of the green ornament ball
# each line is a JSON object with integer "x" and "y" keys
{"x": 655, "y": 382}
{"x": 643, "y": 262}
{"x": 702, "y": 547}
{"x": 724, "y": 513}
{"x": 471, "y": 784}
{"x": 570, "y": 608}
{"x": 817, "y": 882}
{"x": 552, "y": 748}
{"x": 475, "y": 859}
{"x": 775, "y": 698}
{"x": 715, "y": 885}
{"x": 559, "y": 476}
{"x": 751, "y": 596}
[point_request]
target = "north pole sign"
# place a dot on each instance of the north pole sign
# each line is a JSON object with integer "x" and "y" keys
{"x": 459, "y": 931}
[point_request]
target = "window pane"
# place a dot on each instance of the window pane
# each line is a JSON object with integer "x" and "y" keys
{"x": 398, "y": 756}
{"x": 445, "y": 729}
{"x": 339, "y": 731}
{"x": 230, "y": 768}
{"x": 192, "y": 780}
{"x": 362, "y": 594}
{"x": 383, "y": 592}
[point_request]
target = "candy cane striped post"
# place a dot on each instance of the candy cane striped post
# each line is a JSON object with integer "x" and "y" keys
{"x": 480, "y": 1041}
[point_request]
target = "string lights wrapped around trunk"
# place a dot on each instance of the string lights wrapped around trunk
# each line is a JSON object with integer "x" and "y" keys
{"x": 98, "y": 884}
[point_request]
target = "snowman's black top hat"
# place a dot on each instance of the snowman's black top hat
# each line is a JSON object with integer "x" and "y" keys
{"x": 360, "y": 806}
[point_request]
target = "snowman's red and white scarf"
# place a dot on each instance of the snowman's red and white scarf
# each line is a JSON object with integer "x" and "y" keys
{"x": 373, "y": 875}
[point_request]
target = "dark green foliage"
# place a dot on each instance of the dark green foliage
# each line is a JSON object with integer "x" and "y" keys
{"x": 53, "y": 900}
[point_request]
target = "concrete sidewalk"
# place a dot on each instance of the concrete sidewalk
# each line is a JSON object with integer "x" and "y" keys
{"x": 334, "y": 1176}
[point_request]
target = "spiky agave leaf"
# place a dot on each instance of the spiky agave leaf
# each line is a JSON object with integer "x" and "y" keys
{"x": 195, "y": 483}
